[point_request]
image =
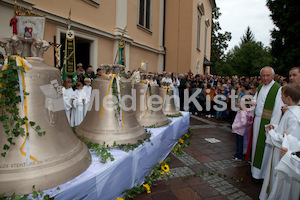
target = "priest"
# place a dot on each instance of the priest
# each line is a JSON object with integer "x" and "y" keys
{"x": 267, "y": 111}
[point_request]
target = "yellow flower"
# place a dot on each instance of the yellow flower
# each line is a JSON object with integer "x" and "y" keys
{"x": 120, "y": 198}
{"x": 162, "y": 173}
{"x": 180, "y": 140}
{"x": 166, "y": 168}
{"x": 161, "y": 162}
{"x": 147, "y": 188}
{"x": 186, "y": 135}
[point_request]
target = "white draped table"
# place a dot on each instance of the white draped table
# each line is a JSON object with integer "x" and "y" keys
{"x": 109, "y": 180}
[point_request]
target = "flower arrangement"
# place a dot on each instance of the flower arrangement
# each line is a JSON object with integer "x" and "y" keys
{"x": 157, "y": 171}
{"x": 182, "y": 142}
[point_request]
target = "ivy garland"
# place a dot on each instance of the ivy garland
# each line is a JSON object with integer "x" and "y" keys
{"x": 102, "y": 150}
{"x": 172, "y": 116}
{"x": 10, "y": 98}
{"x": 159, "y": 170}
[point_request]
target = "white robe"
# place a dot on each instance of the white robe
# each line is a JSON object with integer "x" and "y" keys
{"x": 260, "y": 102}
{"x": 68, "y": 96}
{"x": 88, "y": 92}
{"x": 290, "y": 122}
{"x": 175, "y": 90}
{"x": 79, "y": 96}
{"x": 287, "y": 177}
{"x": 176, "y": 93}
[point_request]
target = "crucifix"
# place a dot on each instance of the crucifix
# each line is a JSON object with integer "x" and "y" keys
{"x": 56, "y": 51}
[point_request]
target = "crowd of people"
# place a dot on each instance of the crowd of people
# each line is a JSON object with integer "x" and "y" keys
{"x": 267, "y": 128}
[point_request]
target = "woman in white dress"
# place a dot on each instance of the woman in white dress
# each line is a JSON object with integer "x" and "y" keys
{"x": 80, "y": 101}
{"x": 88, "y": 91}
{"x": 68, "y": 96}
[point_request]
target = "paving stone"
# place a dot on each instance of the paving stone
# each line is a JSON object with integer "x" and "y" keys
{"x": 202, "y": 157}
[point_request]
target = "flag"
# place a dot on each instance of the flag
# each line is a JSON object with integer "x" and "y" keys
{"x": 122, "y": 56}
{"x": 69, "y": 66}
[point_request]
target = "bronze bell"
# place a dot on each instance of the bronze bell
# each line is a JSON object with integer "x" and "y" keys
{"x": 145, "y": 115}
{"x": 168, "y": 104}
{"x": 60, "y": 155}
{"x": 109, "y": 125}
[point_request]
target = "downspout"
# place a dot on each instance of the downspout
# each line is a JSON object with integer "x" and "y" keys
{"x": 163, "y": 42}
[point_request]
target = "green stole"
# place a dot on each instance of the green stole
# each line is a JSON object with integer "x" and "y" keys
{"x": 265, "y": 119}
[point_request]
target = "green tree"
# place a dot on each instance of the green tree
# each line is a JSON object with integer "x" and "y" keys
{"x": 218, "y": 40}
{"x": 248, "y": 58}
{"x": 286, "y": 36}
{"x": 249, "y": 36}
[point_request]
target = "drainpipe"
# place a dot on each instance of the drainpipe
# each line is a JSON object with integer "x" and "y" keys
{"x": 164, "y": 27}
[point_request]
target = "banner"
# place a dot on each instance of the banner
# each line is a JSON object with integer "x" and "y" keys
{"x": 121, "y": 52}
{"x": 70, "y": 66}
{"x": 30, "y": 26}
{"x": 122, "y": 56}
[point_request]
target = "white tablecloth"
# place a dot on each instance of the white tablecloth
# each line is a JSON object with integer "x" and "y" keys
{"x": 109, "y": 180}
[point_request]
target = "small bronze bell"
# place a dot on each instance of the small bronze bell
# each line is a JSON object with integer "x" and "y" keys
{"x": 111, "y": 122}
{"x": 144, "y": 112}
{"x": 56, "y": 157}
{"x": 168, "y": 103}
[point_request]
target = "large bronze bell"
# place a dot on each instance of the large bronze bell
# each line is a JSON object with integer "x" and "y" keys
{"x": 110, "y": 122}
{"x": 60, "y": 155}
{"x": 168, "y": 104}
{"x": 145, "y": 115}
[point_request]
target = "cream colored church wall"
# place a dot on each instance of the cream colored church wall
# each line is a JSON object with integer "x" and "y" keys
{"x": 178, "y": 36}
{"x": 50, "y": 31}
{"x": 171, "y": 32}
{"x": 185, "y": 36}
{"x": 138, "y": 34}
{"x": 105, "y": 53}
{"x": 196, "y": 54}
{"x": 102, "y": 17}
{"x": 138, "y": 55}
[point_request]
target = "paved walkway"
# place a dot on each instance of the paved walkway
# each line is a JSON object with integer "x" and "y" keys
{"x": 205, "y": 171}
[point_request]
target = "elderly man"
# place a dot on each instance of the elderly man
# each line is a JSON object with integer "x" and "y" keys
{"x": 295, "y": 75}
{"x": 267, "y": 111}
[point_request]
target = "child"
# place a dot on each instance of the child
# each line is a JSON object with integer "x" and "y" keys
{"x": 80, "y": 101}
{"x": 240, "y": 126}
{"x": 88, "y": 91}
{"x": 290, "y": 122}
{"x": 68, "y": 96}
{"x": 287, "y": 178}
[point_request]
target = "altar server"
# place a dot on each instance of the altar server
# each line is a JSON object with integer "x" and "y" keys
{"x": 88, "y": 91}
{"x": 80, "y": 101}
{"x": 267, "y": 111}
{"x": 287, "y": 178}
{"x": 68, "y": 97}
{"x": 290, "y": 122}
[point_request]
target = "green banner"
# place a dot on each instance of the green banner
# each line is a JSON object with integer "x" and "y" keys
{"x": 70, "y": 67}
{"x": 121, "y": 52}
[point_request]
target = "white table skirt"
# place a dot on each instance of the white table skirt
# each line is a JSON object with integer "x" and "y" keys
{"x": 109, "y": 180}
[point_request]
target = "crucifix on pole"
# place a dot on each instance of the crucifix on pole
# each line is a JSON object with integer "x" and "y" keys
{"x": 122, "y": 37}
{"x": 56, "y": 51}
